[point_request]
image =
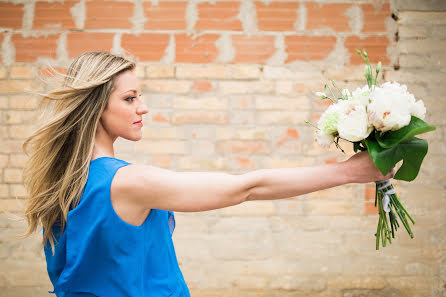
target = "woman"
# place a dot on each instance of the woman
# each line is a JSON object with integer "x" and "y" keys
{"x": 108, "y": 223}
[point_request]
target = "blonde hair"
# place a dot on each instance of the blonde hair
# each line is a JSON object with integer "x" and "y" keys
{"x": 57, "y": 168}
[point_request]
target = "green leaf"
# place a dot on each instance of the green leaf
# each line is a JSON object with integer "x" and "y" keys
{"x": 391, "y": 138}
{"x": 412, "y": 151}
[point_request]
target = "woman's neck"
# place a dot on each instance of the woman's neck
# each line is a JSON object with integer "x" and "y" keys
{"x": 103, "y": 144}
{"x": 98, "y": 152}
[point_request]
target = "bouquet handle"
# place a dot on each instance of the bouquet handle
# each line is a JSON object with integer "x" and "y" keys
{"x": 389, "y": 205}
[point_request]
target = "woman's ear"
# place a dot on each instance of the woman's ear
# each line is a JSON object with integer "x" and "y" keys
{"x": 100, "y": 126}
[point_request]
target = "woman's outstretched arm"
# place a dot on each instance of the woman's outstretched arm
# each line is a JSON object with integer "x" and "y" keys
{"x": 288, "y": 182}
{"x": 153, "y": 187}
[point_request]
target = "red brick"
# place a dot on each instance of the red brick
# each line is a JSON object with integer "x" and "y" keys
{"x": 240, "y": 102}
{"x": 244, "y": 163}
{"x": 375, "y": 17}
{"x": 301, "y": 89}
{"x": 54, "y": 15}
{"x": 369, "y": 208}
{"x": 254, "y": 49}
{"x": 165, "y": 16}
{"x": 159, "y": 118}
{"x": 201, "y": 49}
{"x": 315, "y": 117}
{"x": 331, "y": 160}
{"x": 306, "y": 48}
{"x": 277, "y": 16}
{"x": 11, "y": 15}
{"x": 323, "y": 102}
{"x": 202, "y": 86}
{"x": 369, "y": 192}
{"x": 329, "y": 15}
{"x": 146, "y": 46}
{"x": 218, "y": 16}
{"x": 375, "y": 46}
{"x": 80, "y": 42}
{"x": 108, "y": 15}
{"x": 30, "y": 48}
{"x": 290, "y": 134}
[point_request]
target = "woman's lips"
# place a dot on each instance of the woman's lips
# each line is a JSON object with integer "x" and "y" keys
{"x": 139, "y": 123}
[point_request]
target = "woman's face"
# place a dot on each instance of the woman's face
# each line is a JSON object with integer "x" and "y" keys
{"x": 124, "y": 113}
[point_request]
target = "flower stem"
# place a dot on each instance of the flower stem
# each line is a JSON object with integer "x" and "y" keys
{"x": 384, "y": 230}
{"x": 401, "y": 205}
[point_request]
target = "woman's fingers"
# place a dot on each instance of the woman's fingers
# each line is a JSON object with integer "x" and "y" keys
{"x": 364, "y": 169}
{"x": 389, "y": 175}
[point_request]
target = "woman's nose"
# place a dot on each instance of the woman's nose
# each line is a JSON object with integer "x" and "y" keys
{"x": 142, "y": 109}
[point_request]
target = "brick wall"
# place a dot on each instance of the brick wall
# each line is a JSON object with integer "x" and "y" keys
{"x": 229, "y": 85}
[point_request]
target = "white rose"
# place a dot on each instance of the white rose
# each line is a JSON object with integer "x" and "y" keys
{"x": 324, "y": 139}
{"x": 390, "y": 107}
{"x": 353, "y": 122}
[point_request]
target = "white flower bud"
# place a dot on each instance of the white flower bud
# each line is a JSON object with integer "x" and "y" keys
{"x": 321, "y": 95}
{"x": 378, "y": 67}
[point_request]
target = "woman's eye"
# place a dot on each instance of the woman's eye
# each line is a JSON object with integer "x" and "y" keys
{"x": 130, "y": 99}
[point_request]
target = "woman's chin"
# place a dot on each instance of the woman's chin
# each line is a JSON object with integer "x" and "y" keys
{"x": 134, "y": 137}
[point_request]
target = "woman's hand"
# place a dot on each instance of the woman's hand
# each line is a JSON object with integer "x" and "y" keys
{"x": 361, "y": 169}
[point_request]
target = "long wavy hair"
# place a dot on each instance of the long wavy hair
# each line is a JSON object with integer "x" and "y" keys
{"x": 60, "y": 150}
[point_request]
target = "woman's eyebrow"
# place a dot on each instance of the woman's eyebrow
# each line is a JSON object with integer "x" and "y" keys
{"x": 131, "y": 90}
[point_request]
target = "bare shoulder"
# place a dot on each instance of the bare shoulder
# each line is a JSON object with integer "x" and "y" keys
{"x": 125, "y": 192}
{"x": 141, "y": 184}
{"x": 131, "y": 173}
{"x": 134, "y": 178}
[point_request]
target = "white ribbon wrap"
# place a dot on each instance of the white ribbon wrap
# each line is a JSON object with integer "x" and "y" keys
{"x": 382, "y": 185}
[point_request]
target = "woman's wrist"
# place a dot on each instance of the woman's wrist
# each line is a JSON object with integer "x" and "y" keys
{"x": 347, "y": 172}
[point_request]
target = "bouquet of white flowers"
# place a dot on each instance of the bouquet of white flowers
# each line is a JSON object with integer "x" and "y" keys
{"x": 382, "y": 119}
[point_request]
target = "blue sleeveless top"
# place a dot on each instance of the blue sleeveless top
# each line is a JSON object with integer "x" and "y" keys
{"x": 99, "y": 254}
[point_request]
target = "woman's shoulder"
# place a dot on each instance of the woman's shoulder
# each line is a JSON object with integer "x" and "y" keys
{"x": 143, "y": 185}
{"x": 126, "y": 181}
{"x": 130, "y": 176}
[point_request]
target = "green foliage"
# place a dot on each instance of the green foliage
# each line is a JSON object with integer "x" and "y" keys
{"x": 389, "y": 148}
{"x": 412, "y": 151}
{"x": 391, "y": 138}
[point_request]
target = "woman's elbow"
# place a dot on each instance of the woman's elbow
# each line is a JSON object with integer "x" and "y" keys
{"x": 249, "y": 182}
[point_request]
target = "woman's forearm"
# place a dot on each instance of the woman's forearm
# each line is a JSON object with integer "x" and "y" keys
{"x": 269, "y": 184}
